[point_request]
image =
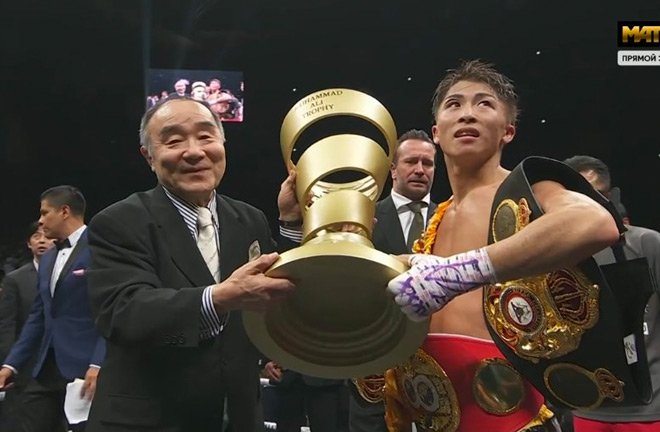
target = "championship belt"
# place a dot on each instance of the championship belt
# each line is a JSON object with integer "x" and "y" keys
{"x": 575, "y": 333}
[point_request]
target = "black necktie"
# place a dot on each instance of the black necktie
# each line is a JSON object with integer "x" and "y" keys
{"x": 417, "y": 225}
{"x": 63, "y": 244}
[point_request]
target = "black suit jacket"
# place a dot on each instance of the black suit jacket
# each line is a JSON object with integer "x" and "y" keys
{"x": 146, "y": 287}
{"x": 19, "y": 288}
{"x": 387, "y": 237}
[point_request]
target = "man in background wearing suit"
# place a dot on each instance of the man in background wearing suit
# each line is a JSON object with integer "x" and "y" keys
{"x": 18, "y": 291}
{"x": 401, "y": 219}
{"x": 60, "y": 322}
{"x": 638, "y": 242}
{"x": 172, "y": 269}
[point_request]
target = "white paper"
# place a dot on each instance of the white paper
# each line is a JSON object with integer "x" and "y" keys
{"x": 76, "y": 408}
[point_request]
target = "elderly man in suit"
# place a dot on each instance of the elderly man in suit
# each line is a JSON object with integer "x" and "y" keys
{"x": 60, "y": 324}
{"x": 172, "y": 269}
{"x": 401, "y": 219}
{"x": 18, "y": 291}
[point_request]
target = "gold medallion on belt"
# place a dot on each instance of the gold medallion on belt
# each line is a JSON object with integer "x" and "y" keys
{"x": 561, "y": 379}
{"x": 497, "y": 387}
{"x": 542, "y": 317}
{"x": 428, "y": 393}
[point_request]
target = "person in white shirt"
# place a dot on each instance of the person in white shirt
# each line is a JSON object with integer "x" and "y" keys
{"x": 60, "y": 324}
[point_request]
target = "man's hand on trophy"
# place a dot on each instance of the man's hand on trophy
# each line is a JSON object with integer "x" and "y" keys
{"x": 248, "y": 288}
{"x": 272, "y": 371}
{"x": 287, "y": 202}
{"x": 433, "y": 281}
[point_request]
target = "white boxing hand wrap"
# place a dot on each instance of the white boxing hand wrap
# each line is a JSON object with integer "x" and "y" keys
{"x": 433, "y": 281}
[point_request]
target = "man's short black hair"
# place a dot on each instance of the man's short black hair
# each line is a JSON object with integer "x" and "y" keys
{"x": 31, "y": 229}
{"x": 582, "y": 163}
{"x": 66, "y": 195}
{"x": 479, "y": 72}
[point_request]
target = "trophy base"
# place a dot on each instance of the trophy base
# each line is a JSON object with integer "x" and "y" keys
{"x": 340, "y": 322}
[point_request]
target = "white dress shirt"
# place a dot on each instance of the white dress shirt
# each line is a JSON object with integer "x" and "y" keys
{"x": 60, "y": 261}
{"x": 211, "y": 324}
{"x": 405, "y": 214}
{"x": 63, "y": 256}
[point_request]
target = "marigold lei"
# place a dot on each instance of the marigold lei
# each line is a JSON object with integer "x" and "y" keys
{"x": 424, "y": 244}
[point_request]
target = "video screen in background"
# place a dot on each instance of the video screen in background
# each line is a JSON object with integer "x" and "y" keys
{"x": 222, "y": 90}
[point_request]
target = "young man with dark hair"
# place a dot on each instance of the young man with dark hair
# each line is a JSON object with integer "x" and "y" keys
{"x": 448, "y": 385}
{"x": 69, "y": 196}
{"x": 19, "y": 288}
{"x": 18, "y": 291}
{"x": 60, "y": 324}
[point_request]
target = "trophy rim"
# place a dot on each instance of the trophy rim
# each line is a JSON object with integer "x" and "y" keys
{"x": 344, "y": 355}
{"x": 367, "y": 108}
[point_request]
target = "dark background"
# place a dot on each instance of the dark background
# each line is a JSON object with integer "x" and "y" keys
{"x": 72, "y": 77}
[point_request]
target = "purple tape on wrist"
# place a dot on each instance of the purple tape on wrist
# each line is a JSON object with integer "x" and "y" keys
{"x": 431, "y": 283}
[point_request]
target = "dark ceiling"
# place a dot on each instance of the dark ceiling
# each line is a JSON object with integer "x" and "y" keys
{"x": 72, "y": 75}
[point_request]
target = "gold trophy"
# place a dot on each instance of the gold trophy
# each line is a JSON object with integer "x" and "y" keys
{"x": 339, "y": 323}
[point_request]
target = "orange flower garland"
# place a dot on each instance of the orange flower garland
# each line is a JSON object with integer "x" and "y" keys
{"x": 397, "y": 416}
{"x": 424, "y": 245}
